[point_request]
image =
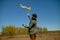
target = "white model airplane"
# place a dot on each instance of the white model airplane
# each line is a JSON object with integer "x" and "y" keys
{"x": 25, "y": 7}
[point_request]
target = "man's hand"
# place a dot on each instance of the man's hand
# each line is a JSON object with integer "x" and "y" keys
{"x": 28, "y": 14}
{"x": 24, "y": 26}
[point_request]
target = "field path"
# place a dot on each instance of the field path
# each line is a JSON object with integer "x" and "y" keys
{"x": 49, "y": 36}
{"x": 21, "y": 37}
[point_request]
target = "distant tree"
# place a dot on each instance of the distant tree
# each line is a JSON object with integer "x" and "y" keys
{"x": 44, "y": 30}
{"x": 9, "y": 30}
{"x": 23, "y": 31}
{"x": 12, "y": 30}
{"x": 39, "y": 30}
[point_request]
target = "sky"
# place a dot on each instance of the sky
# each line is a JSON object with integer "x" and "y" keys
{"x": 48, "y": 12}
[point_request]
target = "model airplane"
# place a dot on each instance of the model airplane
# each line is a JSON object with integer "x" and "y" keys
{"x": 25, "y": 7}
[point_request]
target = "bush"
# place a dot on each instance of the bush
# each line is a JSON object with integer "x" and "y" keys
{"x": 23, "y": 31}
{"x": 12, "y": 30}
{"x": 45, "y": 30}
{"x": 9, "y": 30}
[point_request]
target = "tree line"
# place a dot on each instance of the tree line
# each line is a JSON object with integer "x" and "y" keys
{"x": 13, "y": 30}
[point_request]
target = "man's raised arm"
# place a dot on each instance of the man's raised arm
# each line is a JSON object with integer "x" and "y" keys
{"x": 28, "y": 16}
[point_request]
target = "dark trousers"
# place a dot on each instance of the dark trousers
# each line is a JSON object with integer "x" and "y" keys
{"x": 33, "y": 37}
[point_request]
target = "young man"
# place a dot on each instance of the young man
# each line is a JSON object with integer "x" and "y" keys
{"x": 32, "y": 29}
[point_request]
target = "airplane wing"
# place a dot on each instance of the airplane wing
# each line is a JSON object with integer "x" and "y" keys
{"x": 22, "y": 6}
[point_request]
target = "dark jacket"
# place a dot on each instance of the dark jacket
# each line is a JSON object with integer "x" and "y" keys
{"x": 32, "y": 28}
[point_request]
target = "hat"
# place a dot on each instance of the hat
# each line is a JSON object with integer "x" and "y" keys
{"x": 34, "y": 15}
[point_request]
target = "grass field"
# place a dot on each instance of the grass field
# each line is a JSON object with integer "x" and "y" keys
{"x": 43, "y": 36}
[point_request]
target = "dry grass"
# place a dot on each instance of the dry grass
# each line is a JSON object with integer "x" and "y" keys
{"x": 43, "y": 36}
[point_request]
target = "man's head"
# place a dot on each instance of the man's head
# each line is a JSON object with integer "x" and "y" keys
{"x": 34, "y": 16}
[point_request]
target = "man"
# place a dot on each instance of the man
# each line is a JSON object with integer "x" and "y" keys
{"x": 32, "y": 29}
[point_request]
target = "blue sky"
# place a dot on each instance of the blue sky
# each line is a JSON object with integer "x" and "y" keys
{"x": 47, "y": 11}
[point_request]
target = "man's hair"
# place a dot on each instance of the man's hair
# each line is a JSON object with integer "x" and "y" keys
{"x": 34, "y": 15}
